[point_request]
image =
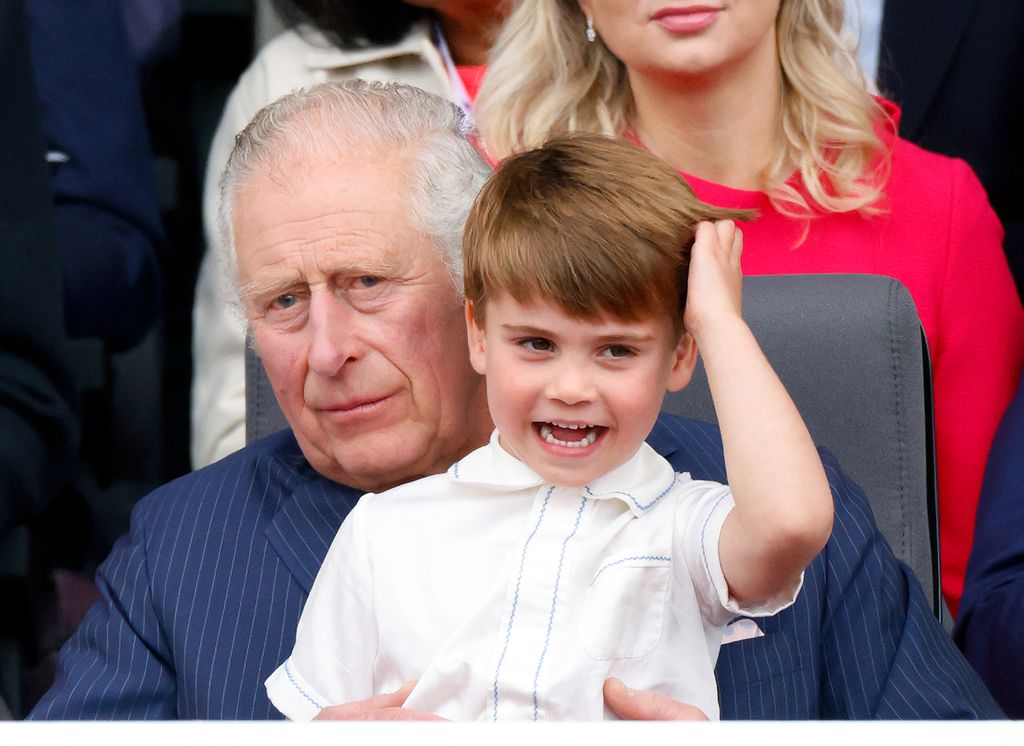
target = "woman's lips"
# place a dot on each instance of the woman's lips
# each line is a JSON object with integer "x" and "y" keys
{"x": 686, "y": 20}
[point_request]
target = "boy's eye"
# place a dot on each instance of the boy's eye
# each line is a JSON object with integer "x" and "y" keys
{"x": 617, "y": 351}
{"x": 537, "y": 344}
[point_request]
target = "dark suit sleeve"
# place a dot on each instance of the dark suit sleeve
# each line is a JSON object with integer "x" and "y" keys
{"x": 859, "y": 643}
{"x": 990, "y": 626}
{"x": 117, "y": 665}
{"x": 108, "y": 222}
{"x": 884, "y": 655}
{"x": 956, "y": 69}
{"x": 38, "y": 431}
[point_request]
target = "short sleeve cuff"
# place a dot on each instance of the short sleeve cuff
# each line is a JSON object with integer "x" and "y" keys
{"x": 729, "y": 607}
{"x": 291, "y": 695}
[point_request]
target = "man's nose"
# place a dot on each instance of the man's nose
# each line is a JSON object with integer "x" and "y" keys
{"x": 334, "y": 327}
{"x": 572, "y": 382}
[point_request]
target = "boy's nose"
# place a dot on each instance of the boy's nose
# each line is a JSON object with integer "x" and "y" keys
{"x": 572, "y": 383}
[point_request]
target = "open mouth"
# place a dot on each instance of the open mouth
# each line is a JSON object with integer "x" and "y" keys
{"x": 569, "y": 435}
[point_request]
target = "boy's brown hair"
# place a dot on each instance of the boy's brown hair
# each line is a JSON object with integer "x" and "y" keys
{"x": 593, "y": 224}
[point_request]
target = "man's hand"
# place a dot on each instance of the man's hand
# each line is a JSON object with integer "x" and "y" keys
{"x": 624, "y": 702}
{"x": 380, "y": 707}
{"x": 645, "y": 705}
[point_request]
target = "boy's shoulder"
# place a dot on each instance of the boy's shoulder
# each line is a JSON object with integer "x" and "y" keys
{"x": 488, "y": 468}
{"x": 434, "y": 486}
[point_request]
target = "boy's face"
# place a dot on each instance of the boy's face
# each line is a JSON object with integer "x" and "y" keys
{"x": 574, "y": 398}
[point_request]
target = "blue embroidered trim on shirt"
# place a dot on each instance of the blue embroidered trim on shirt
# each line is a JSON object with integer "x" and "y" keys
{"x": 629, "y": 559}
{"x": 515, "y": 597}
{"x": 303, "y": 692}
{"x": 554, "y": 600}
{"x": 648, "y": 506}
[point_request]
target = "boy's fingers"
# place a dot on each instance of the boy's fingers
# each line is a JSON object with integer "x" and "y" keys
{"x": 706, "y": 233}
{"x": 726, "y": 233}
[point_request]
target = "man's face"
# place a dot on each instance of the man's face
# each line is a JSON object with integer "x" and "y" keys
{"x": 575, "y": 398}
{"x": 356, "y": 322}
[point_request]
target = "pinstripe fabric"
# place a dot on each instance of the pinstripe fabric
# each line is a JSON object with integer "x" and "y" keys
{"x": 201, "y": 600}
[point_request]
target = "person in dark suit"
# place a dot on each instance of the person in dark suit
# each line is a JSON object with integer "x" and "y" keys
{"x": 956, "y": 67}
{"x": 109, "y": 233}
{"x": 988, "y": 628}
{"x": 350, "y": 288}
{"x": 38, "y": 396}
{"x": 38, "y": 425}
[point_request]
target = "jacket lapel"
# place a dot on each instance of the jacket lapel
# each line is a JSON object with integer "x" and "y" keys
{"x": 919, "y": 42}
{"x": 304, "y": 525}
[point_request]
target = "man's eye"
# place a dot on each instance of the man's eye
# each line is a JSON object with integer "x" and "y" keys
{"x": 368, "y": 281}
{"x": 617, "y": 351}
{"x": 537, "y": 344}
{"x": 285, "y": 301}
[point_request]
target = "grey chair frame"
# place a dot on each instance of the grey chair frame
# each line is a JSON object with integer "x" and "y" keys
{"x": 852, "y": 354}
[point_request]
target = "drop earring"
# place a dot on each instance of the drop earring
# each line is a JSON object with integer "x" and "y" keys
{"x": 591, "y": 34}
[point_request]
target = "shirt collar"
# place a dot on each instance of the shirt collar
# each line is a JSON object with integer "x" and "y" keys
{"x": 640, "y": 483}
{"x": 493, "y": 466}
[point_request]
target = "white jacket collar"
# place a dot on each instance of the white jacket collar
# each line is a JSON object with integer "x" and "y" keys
{"x": 325, "y": 56}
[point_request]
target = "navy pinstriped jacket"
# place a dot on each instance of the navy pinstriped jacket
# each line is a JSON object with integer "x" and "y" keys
{"x": 201, "y": 600}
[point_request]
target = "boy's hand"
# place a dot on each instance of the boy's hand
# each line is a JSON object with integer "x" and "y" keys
{"x": 715, "y": 280}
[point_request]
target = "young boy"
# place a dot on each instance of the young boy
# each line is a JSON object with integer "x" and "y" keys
{"x": 566, "y": 550}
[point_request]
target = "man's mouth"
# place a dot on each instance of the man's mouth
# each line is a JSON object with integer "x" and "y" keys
{"x": 569, "y": 434}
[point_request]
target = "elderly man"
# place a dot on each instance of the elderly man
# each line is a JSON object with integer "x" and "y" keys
{"x": 345, "y": 206}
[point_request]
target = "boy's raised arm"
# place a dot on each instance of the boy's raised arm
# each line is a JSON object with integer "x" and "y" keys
{"x": 783, "y": 513}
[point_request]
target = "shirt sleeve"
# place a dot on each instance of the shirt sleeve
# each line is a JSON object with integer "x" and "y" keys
{"x": 701, "y": 511}
{"x": 336, "y": 641}
{"x": 119, "y": 663}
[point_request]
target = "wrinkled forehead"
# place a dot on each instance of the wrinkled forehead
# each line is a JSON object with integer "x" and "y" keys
{"x": 352, "y": 215}
{"x": 297, "y": 183}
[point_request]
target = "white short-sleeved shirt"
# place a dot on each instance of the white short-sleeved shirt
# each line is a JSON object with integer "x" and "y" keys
{"x": 510, "y": 598}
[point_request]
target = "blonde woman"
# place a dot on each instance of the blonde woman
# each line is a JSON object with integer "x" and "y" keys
{"x": 760, "y": 105}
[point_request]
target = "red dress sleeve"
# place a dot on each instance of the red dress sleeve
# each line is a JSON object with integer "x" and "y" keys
{"x": 976, "y": 364}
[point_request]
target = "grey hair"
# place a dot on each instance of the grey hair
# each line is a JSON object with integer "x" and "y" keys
{"x": 329, "y": 121}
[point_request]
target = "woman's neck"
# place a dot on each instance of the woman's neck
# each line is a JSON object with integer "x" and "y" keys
{"x": 470, "y": 37}
{"x": 723, "y": 131}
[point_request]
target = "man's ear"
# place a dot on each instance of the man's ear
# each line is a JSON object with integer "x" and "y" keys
{"x": 477, "y": 341}
{"x": 684, "y": 360}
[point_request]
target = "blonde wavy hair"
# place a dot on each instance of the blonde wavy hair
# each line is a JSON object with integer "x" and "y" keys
{"x": 544, "y": 80}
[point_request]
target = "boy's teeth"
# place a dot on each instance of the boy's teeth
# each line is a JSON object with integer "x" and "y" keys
{"x": 585, "y": 441}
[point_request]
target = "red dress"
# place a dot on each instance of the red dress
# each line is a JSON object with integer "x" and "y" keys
{"x": 472, "y": 77}
{"x": 940, "y": 238}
